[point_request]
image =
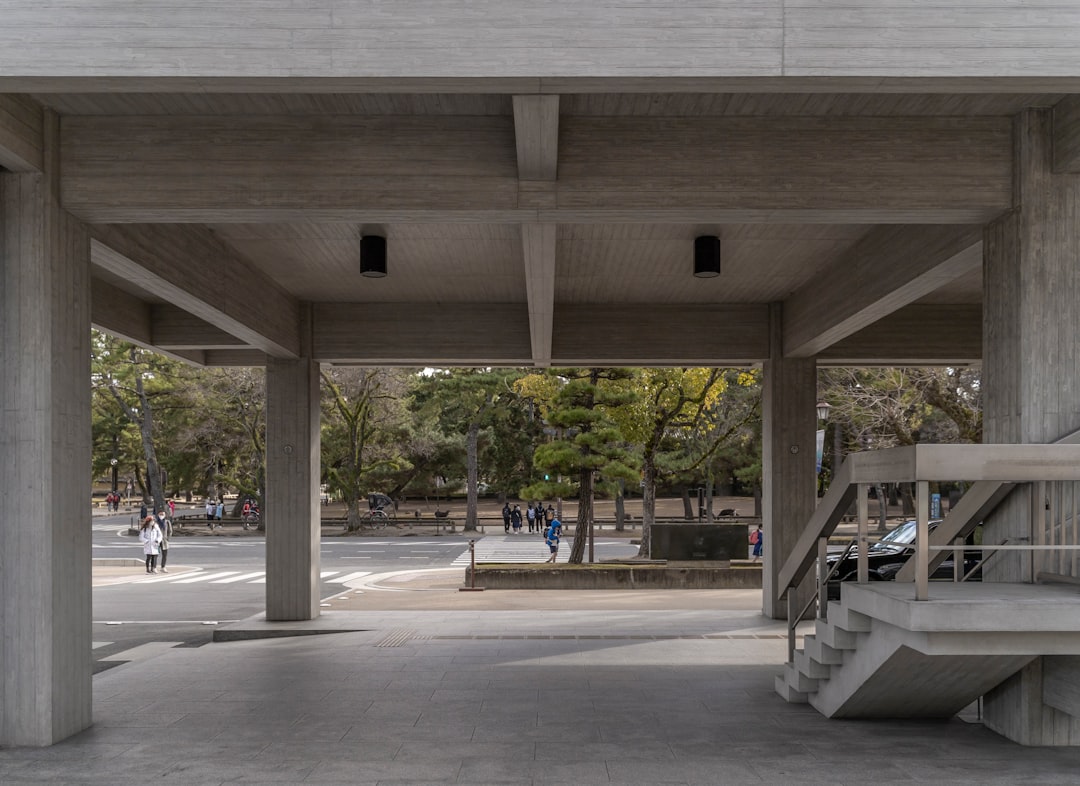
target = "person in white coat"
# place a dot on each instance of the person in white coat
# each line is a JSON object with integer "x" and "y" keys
{"x": 150, "y": 537}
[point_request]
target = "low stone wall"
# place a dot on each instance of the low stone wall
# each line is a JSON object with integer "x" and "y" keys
{"x": 607, "y": 576}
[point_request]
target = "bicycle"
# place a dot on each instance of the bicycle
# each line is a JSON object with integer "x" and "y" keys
{"x": 250, "y": 520}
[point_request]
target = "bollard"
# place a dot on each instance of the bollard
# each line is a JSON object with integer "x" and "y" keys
{"x": 472, "y": 571}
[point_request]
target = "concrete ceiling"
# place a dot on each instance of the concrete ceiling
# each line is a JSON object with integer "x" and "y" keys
{"x": 533, "y": 213}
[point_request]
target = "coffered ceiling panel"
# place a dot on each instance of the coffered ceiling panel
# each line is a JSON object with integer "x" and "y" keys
{"x": 654, "y": 263}
{"x": 440, "y": 263}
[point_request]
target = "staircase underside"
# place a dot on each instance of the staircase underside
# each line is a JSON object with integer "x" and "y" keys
{"x": 881, "y": 654}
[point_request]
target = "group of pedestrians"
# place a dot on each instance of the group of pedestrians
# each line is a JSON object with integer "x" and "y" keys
{"x": 112, "y": 501}
{"x": 536, "y": 515}
{"x": 154, "y": 534}
{"x": 215, "y": 511}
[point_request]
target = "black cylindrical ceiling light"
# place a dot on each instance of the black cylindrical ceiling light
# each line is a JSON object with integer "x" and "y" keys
{"x": 373, "y": 256}
{"x": 707, "y": 256}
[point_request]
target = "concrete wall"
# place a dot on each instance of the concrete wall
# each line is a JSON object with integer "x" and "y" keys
{"x": 1031, "y": 320}
{"x": 616, "y": 577}
{"x": 523, "y": 39}
{"x": 45, "y": 610}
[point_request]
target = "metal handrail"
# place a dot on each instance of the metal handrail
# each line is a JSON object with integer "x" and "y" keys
{"x": 793, "y": 621}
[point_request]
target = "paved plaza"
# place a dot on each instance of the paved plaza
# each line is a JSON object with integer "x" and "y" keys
{"x": 438, "y": 686}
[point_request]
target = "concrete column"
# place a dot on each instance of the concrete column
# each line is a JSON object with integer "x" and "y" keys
{"x": 45, "y": 611}
{"x": 1031, "y": 321}
{"x": 788, "y": 445}
{"x": 292, "y": 489}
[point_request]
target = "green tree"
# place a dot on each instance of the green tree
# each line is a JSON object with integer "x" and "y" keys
{"x": 365, "y": 418}
{"x": 470, "y": 401}
{"x": 587, "y": 440}
{"x": 136, "y": 381}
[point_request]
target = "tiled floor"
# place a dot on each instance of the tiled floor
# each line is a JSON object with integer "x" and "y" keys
{"x": 479, "y": 697}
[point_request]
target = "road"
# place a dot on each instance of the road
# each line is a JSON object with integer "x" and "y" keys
{"x": 213, "y": 581}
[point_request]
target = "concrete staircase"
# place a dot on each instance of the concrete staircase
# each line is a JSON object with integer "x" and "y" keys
{"x": 882, "y": 654}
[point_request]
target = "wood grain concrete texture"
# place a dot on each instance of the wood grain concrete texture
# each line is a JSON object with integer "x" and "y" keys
{"x": 292, "y": 489}
{"x": 44, "y": 449}
{"x": 561, "y": 38}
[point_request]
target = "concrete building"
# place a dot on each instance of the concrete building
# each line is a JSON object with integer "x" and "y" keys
{"x": 890, "y": 184}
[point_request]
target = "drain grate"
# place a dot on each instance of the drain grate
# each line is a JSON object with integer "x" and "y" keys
{"x": 396, "y": 638}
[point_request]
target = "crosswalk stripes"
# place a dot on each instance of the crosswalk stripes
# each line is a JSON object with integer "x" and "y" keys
{"x": 512, "y": 548}
{"x": 234, "y": 577}
{"x": 241, "y": 577}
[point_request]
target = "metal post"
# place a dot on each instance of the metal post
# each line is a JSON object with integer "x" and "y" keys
{"x": 472, "y": 570}
{"x": 862, "y": 562}
{"x": 823, "y": 572}
{"x": 922, "y": 537}
{"x": 792, "y": 611}
{"x": 958, "y": 565}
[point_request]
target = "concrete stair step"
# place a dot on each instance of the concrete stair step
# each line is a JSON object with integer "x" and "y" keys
{"x": 835, "y": 637}
{"x": 788, "y": 693}
{"x": 798, "y": 681}
{"x": 851, "y": 621}
{"x": 811, "y": 667}
{"x": 821, "y": 652}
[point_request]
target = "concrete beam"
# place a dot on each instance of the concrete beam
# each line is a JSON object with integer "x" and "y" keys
{"x": 22, "y": 140}
{"x": 463, "y": 334}
{"x": 891, "y": 267}
{"x": 174, "y": 328}
{"x": 610, "y": 169}
{"x": 176, "y": 262}
{"x": 233, "y": 358}
{"x": 660, "y": 335}
{"x": 536, "y": 130}
{"x": 470, "y": 334}
{"x": 126, "y": 316}
{"x": 1066, "y": 133}
{"x": 916, "y": 335}
{"x": 120, "y": 313}
{"x": 538, "y": 246}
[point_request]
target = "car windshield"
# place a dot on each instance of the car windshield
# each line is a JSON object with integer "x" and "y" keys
{"x": 901, "y": 536}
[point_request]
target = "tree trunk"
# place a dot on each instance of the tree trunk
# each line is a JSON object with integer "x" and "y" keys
{"x": 687, "y": 505}
{"x": 584, "y": 516}
{"x": 620, "y": 507}
{"x": 883, "y": 506}
{"x": 648, "y": 505}
{"x": 146, "y": 431}
{"x": 472, "y": 475}
{"x": 708, "y": 499}
{"x": 907, "y": 499}
{"x": 352, "y": 515}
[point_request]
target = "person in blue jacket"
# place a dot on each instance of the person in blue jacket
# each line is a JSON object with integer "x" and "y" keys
{"x": 552, "y": 538}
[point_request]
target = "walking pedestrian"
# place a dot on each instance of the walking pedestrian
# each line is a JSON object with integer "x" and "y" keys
{"x": 172, "y": 509}
{"x": 210, "y": 508}
{"x": 220, "y": 511}
{"x": 142, "y": 512}
{"x": 150, "y": 537}
{"x": 552, "y": 534}
{"x": 757, "y": 540}
{"x": 515, "y": 519}
{"x": 165, "y": 524}
{"x": 530, "y": 514}
{"x": 506, "y": 518}
{"x": 549, "y": 515}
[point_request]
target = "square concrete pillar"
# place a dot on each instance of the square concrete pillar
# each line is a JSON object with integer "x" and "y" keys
{"x": 292, "y": 513}
{"x": 1031, "y": 391}
{"x": 789, "y": 423}
{"x": 45, "y": 610}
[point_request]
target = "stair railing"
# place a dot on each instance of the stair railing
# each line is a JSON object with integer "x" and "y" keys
{"x": 996, "y": 469}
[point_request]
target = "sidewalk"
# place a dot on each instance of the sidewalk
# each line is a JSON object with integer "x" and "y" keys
{"x": 440, "y": 686}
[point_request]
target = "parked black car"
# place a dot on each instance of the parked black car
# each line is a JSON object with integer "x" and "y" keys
{"x": 886, "y": 557}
